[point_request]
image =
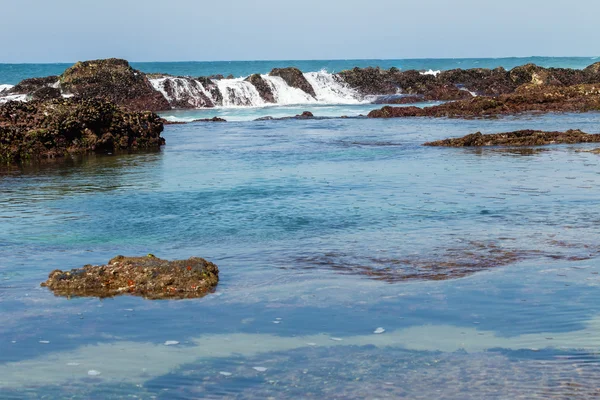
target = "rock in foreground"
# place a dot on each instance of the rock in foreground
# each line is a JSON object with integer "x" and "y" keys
{"x": 149, "y": 277}
{"x": 54, "y": 128}
{"x": 519, "y": 138}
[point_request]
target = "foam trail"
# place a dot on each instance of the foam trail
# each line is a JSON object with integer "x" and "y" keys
{"x": 183, "y": 90}
{"x": 285, "y": 94}
{"x": 13, "y": 97}
{"x": 431, "y": 72}
{"x": 331, "y": 89}
{"x": 6, "y": 87}
{"x": 238, "y": 92}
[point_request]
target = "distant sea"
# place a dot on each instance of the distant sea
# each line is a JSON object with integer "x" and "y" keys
{"x": 13, "y": 73}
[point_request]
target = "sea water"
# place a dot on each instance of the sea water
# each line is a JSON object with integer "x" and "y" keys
{"x": 325, "y": 233}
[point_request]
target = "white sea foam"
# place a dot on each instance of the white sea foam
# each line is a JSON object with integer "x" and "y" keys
{"x": 184, "y": 89}
{"x": 285, "y": 94}
{"x": 5, "y": 87}
{"x": 238, "y": 92}
{"x": 431, "y": 72}
{"x": 13, "y": 97}
{"x": 331, "y": 89}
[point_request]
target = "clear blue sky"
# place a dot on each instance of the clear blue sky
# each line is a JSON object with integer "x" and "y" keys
{"x": 170, "y": 30}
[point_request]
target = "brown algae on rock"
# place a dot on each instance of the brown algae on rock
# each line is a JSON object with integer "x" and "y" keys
{"x": 148, "y": 277}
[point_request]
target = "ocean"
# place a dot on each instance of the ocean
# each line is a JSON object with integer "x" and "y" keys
{"x": 354, "y": 262}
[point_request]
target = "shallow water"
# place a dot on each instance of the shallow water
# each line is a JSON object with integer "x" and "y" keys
{"x": 315, "y": 225}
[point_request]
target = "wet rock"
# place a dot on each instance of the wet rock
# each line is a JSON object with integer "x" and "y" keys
{"x": 149, "y": 277}
{"x": 114, "y": 80}
{"x": 185, "y": 93}
{"x": 49, "y": 129}
{"x": 304, "y": 115}
{"x": 294, "y": 78}
{"x": 262, "y": 87}
{"x": 212, "y": 88}
{"x": 519, "y": 138}
{"x": 527, "y": 98}
{"x": 213, "y": 119}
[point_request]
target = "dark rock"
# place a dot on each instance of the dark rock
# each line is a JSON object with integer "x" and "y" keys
{"x": 528, "y": 98}
{"x": 212, "y": 88}
{"x": 167, "y": 122}
{"x": 46, "y": 93}
{"x": 267, "y": 118}
{"x": 519, "y": 138}
{"x": 262, "y": 87}
{"x": 29, "y": 86}
{"x": 149, "y": 277}
{"x": 294, "y": 78}
{"x": 213, "y": 119}
{"x": 48, "y": 129}
{"x": 115, "y": 81}
{"x": 305, "y": 115}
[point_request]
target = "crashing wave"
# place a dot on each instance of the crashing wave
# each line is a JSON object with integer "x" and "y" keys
{"x": 331, "y": 89}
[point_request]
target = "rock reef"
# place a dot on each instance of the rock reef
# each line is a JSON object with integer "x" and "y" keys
{"x": 519, "y": 138}
{"x": 49, "y": 129}
{"x": 148, "y": 277}
{"x": 529, "y": 98}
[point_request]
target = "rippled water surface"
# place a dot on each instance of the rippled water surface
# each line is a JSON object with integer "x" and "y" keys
{"x": 477, "y": 268}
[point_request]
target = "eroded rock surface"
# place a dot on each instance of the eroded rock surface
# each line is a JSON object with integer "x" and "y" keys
{"x": 149, "y": 277}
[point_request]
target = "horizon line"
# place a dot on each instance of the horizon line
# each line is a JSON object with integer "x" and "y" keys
{"x": 304, "y": 59}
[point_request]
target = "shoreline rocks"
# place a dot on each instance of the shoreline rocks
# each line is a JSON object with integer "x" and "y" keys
{"x": 148, "y": 277}
{"x": 39, "y": 130}
{"x": 529, "y": 98}
{"x": 115, "y": 80}
{"x": 518, "y": 138}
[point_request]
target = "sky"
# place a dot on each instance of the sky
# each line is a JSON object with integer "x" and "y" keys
{"x": 199, "y": 30}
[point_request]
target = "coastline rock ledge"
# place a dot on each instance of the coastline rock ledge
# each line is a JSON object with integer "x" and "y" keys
{"x": 148, "y": 277}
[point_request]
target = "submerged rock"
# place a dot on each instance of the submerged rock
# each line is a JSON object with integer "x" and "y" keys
{"x": 114, "y": 80}
{"x": 519, "y": 138}
{"x": 294, "y": 78}
{"x": 213, "y": 119}
{"x": 55, "y": 128}
{"x": 149, "y": 277}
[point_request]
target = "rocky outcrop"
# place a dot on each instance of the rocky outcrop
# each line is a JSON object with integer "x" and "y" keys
{"x": 49, "y": 129}
{"x": 459, "y": 83}
{"x": 528, "y": 98}
{"x": 262, "y": 87}
{"x": 115, "y": 81}
{"x": 519, "y": 138}
{"x": 294, "y": 78}
{"x": 149, "y": 277}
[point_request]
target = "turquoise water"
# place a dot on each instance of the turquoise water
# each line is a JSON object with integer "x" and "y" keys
{"x": 13, "y": 73}
{"x": 319, "y": 228}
